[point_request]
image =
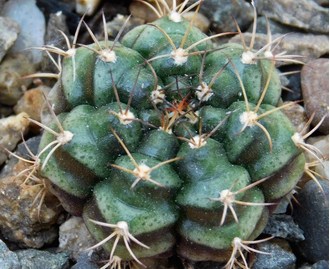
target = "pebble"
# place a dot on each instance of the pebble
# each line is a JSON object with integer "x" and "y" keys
{"x": 8, "y": 259}
{"x": 201, "y": 21}
{"x": 85, "y": 262}
{"x": 32, "y": 103}
{"x": 297, "y": 114}
{"x": 315, "y": 89}
{"x": 310, "y": 46}
{"x": 32, "y": 24}
{"x": 304, "y": 14}
{"x": 17, "y": 203}
{"x": 281, "y": 255}
{"x": 87, "y": 7}
{"x": 38, "y": 259}
{"x": 275, "y": 26}
{"x": 322, "y": 143}
{"x": 318, "y": 265}
{"x": 74, "y": 236}
{"x": 12, "y": 68}
{"x": 283, "y": 226}
{"x": 313, "y": 218}
{"x": 10, "y": 133}
{"x": 9, "y": 32}
{"x": 323, "y": 3}
{"x": 221, "y": 14}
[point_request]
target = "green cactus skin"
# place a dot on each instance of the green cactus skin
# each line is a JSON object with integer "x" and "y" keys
{"x": 227, "y": 89}
{"x": 93, "y": 174}
{"x": 92, "y": 78}
{"x": 159, "y": 45}
{"x": 73, "y": 167}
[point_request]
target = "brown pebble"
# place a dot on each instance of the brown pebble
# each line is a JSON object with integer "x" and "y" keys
{"x": 315, "y": 89}
{"x": 32, "y": 102}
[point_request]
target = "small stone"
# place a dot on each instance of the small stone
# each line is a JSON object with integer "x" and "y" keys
{"x": 318, "y": 265}
{"x": 32, "y": 103}
{"x": 309, "y": 46}
{"x": 8, "y": 259}
{"x": 303, "y": 14}
{"x": 12, "y": 68}
{"x": 32, "y": 23}
{"x": 87, "y": 7}
{"x": 10, "y": 133}
{"x": 315, "y": 89}
{"x": 322, "y": 143}
{"x": 280, "y": 255}
{"x": 37, "y": 259}
{"x": 312, "y": 216}
{"x": 85, "y": 261}
{"x": 28, "y": 211}
{"x": 322, "y": 3}
{"x": 74, "y": 236}
{"x": 296, "y": 113}
{"x": 274, "y": 26}
{"x": 284, "y": 227}
{"x": 221, "y": 14}
{"x": 201, "y": 21}
{"x": 20, "y": 221}
{"x": 9, "y": 32}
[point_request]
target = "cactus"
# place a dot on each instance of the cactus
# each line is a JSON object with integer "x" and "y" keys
{"x": 162, "y": 141}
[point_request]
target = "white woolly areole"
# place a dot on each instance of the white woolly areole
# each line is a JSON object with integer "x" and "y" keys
{"x": 268, "y": 54}
{"x": 179, "y": 56}
{"x": 169, "y": 131}
{"x": 122, "y": 228}
{"x": 203, "y": 92}
{"x": 157, "y": 96}
{"x": 108, "y": 56}
{"x": 143, "y": 171}
{"x": 226, "y": 196}
{"x": 71, "y": 52}
{"x": 175, "y": 16}
{"x": 65, "y": 137}
{"x": 248, "y": 117}
{"x": 247, "y": 57}
{"x": 126, "y": 118}
{"x": 236, "y": 242}
{"x": 297, "y": 139}
{"x": 197, "y": 142}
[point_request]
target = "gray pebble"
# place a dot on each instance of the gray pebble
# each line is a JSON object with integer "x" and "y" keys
{"x": 85, "y": 262}
{"x": 221, "y": 14}
{"x": 313, "y": 218}
{"x": 37, "y": 259}
{"x": 284, "y": 227}
{"x": 318, "y": 265}
{"x": 303, "y": 14}
{"x": 280, "y": 255}
{"x": 8, "y": 259}
{"x": 9, "y": 32}
{"x": 315, "y": 90}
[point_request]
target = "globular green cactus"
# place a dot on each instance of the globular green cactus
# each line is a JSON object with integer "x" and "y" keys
{"x": 166, "y": 144}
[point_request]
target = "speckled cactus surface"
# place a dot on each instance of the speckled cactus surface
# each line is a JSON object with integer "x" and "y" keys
{"x": 166, "y": 143}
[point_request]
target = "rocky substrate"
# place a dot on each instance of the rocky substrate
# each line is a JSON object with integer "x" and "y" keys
{"x": 36, "y": 232}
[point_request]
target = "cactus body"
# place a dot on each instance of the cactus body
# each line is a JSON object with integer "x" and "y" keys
{"x": 167, "y": 182}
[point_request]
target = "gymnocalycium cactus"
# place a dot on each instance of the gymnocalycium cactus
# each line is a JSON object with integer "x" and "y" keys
{"x": 164, "y": 143}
